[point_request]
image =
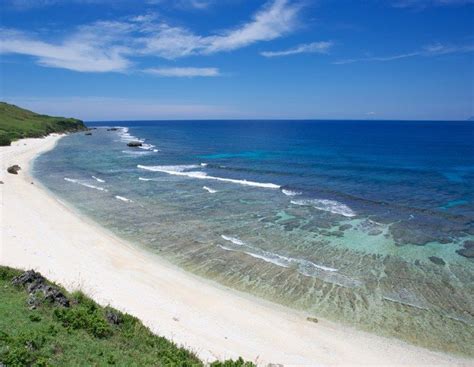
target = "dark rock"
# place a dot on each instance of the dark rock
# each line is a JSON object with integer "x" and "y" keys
{"x": 466, "y": 252}
{"x": 437, "y": 260}
{"x": 113, "y": 317}
{"x": 112, "y": 129}
{"x": 88, "y": 134}
{"x": 32, "y": 301}
{"x": 375, "y": 232}
{"x": 36, "y": 283}
{"x": 312, "y": 319}
{"x": 54, "y": 295}
{"x": 1, "y": 182}
{"x": 468, "y": 244}
{"x": 27, "y": 277}
{"x": 14, "y": 169}
{"x": 345, "y": 227}
{"x": 134, "y": 144}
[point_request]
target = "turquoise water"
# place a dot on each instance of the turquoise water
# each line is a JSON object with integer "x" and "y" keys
{"x": 358, "y": 222}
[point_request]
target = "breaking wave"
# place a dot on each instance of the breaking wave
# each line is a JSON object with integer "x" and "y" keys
{"x": 290, "y": 193}
{"x": 277, "y": 259}
{"x": 182, "y": 171}
{"x": 98, "y": 179}
{"x": 208, "y": 189}
{"x": 123, "y": 199}
{"x": 85, "y": 184}
{"x": 332, "y": 206}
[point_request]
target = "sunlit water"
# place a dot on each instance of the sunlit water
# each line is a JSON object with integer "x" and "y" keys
{"x": 353, "y": 221}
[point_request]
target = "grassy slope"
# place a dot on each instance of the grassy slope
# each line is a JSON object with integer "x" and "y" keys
{"x": 17, "y": 123}
{"x": 79, "y": 335}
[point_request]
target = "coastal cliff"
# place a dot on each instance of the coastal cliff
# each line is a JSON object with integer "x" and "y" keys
{"x": 17, "y": 123}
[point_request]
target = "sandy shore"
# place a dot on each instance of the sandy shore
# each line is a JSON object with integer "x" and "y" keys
{"x": 40, "y": 232}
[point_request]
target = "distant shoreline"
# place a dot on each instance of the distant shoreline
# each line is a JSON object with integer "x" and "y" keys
{"x": 40, "y": 232}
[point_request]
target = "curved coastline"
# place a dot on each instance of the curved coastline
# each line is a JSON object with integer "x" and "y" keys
{"x": 40, "y": 232}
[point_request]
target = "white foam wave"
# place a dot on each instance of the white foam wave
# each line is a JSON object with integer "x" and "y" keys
{"x": 126, "y": 137}
{"x": 85, "y": 184}
{"x": 234, "y": 240}
{"x": 135, "y": 152}
{"x": 98, "y": 179}
{"x": 332, "y": 206}
{"x": 180, "y": 171}
{"x": 145, "y": 146}
{"x": 203, "y": 164}
{"x": 305, "y": 267}
{"x": 212, "y": 191}
{"x": 290, "y": 193}
{"x": 123, "y": 199}
{"x": 145, "y": 179}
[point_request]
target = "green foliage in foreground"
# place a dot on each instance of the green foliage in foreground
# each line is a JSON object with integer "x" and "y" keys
{"x": 17, "y": 123}
{"x": 80, "y": 335}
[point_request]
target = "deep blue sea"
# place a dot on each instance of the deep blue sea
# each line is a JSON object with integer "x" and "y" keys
{"x": 368, "y": 223}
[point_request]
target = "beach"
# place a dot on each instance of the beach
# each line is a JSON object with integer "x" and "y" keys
{"x": 43, "y": 233}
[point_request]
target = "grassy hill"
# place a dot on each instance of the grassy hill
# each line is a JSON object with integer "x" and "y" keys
{"x": 17, "y": 123}
{"x": 43, "y": 325}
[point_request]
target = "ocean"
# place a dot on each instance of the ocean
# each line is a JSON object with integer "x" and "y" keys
{"x": 367, "y": 223}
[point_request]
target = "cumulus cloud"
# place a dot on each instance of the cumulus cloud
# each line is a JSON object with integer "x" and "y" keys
{"x": 427, "y": 51}
{"x": 110, "y": 46}
{"x": 187, "y": 72}
{"x": 315, "y": 47}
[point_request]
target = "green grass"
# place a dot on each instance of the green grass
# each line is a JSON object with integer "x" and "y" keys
{"x": 80, "y": 335}
{"x": 17, "y": 123}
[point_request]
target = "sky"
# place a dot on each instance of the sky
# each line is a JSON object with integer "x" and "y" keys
{"x": 239, "y": 59}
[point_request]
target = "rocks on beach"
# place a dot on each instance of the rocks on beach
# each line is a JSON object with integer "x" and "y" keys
{"x": 88, "y": 134}
{"x": 112, "y": 129}
{"x": 14, "y": 169}
{"x": 134, "y": 144}
{"x": 36, "y": 285}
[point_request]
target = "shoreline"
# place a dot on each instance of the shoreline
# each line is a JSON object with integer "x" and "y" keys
{"x": 41, "y": 232}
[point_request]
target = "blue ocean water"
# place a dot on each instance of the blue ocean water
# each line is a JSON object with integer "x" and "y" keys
{"x": 357, "y": 221}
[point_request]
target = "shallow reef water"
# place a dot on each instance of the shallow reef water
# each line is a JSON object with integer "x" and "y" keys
{"x": 364, "y": 222}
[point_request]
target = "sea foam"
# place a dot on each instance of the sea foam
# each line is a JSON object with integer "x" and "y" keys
{"x": 123, "y": 199}
{"x": 85, "y": 184}
{"x": 98, "y": 179}
{"x": 332, "y": 206}
{"x": 290, "y": 193}
{"x": 275, "y": 258}
{"x": 182, "y": 171}
{"x": 208, "y": 189}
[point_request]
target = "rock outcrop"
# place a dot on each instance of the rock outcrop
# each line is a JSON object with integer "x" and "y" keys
{"x": 134, "y": 144}
{"x": 14, "y": 169}
{"x": 468, "y": 250}
{"x": 36, "y": 286}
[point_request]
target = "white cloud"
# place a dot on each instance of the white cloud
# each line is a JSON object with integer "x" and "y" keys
{"x": 79, "y": 53}
{"x": 188, "y": 72}
{"x": 110, "y": 46}
{"x": 315, "y": 47}
{"x": 275, "y": 20}
{"x": 427, "y": 51}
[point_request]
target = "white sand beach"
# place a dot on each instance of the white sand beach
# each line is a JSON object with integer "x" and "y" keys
{"x": 40, "y": 232}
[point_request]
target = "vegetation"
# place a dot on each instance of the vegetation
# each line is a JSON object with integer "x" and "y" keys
{"x": 81, "y": 334}
{"x": 17, "y": 123}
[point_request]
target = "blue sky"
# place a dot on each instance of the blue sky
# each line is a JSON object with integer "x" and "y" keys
{"x": 185, "y": 59}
